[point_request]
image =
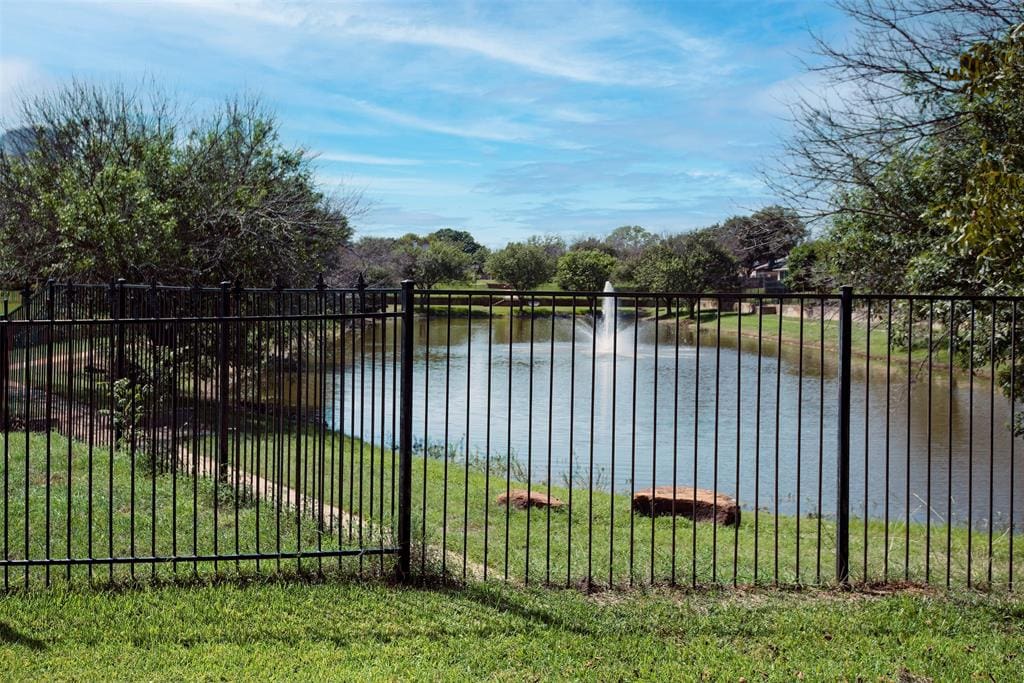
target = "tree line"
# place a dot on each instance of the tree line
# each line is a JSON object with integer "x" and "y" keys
{"x": 707, "y": 259}
{"x": 102, "y": 182}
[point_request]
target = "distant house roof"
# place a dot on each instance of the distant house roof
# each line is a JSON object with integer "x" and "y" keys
{"x": 773, "y": 265}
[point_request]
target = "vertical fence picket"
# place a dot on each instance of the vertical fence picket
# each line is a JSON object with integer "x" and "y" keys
{"x": 843, "y": 459}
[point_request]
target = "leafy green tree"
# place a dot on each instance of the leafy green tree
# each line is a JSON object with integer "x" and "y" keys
{"x": 628, "y": 241}
{"x": 687, "y": 263}
{"x": 552, "y": 245}
{"x": 809, "y": 269}
{"x": 521, "y": 265}
{"x": 110, "y": 182}
{"x": 985, "y": 212}
{"x": 439, "y": 261}
{"x": 585, "y": 270}
{"x": 477, "y": 252}
{"x": 463, "y": 238}
{"x": 592, "y": 244}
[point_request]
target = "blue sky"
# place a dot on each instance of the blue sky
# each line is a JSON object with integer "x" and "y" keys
{"x": 507, "y": 119}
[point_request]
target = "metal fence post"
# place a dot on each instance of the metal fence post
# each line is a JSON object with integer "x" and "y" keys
{"x": 405, "y": 435}
{"x": 222, "y": 385}
{"x": 6, "y": 339}
{"x": 361, "y": 287}
{"x": 117, "y": 300}
{"x": 843, "y": 459}
{"x": 119, "y": 312}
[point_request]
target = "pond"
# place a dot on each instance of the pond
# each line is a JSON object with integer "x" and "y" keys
{"x": 757, "y": 422}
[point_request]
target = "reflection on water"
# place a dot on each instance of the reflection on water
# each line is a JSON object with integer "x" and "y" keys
{"x": 658, "y": 412}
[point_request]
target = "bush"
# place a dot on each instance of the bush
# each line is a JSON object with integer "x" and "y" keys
{"x": 585, "y": 271}
{"x": 523, "y": 266}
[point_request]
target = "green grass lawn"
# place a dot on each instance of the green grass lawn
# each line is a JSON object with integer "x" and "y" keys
{"x": 270, "y": 629}
{"x": 174, "y": 514}
{"x": 814, "y": 331}
{"x": 454, "y": 511}
{"x": 13, "y": 299}
{"x": 602, "y": 538}
{"x": 326, "y": 625}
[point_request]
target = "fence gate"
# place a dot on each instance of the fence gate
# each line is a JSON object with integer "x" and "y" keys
{"x": 170, "y": 430}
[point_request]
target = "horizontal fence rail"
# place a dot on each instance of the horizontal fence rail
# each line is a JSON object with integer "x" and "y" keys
{"x": 587, "y": 439}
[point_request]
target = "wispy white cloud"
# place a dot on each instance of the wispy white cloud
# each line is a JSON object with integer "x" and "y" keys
{"x": 494, "y": 128}
{"x": 413, "y": 186}
{"x": 277, "y": 13}
{"x": 365, "y": 159}
{"x": 568, "y": 42}
{"x": 390, "y": 219}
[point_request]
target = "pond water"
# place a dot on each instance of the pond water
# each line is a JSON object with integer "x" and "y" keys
{"x": 651, "y": 411}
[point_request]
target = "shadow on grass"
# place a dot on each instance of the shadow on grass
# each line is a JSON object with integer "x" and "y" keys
{"x": 10, "y": 636}
{"x": 495, "y": 598}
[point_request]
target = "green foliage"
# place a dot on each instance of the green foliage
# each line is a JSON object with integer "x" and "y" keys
{"x": 110, "y": 183}
{"x": 584, "y": 270}
{"x": 985, "y": 213}
{"x": 691, "y": 262}
{"x": 129, "y": 408}
{"x": 463, "y": 238}
{"x": 629, "y": 240}
{"x": 867, "y": 230}
{"x": 809, "y": 268}
{"x": 438, "y": 261}
{"x": 552, "y": 245}
{"x": 592, "y": 244}
{"x": 521, "y": 265}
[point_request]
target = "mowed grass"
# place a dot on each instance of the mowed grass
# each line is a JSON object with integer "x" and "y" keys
{"x": 126, "y": 511}
{"x": 815, "y": 332}
{"x": 459, "y": 529}
{"x": 596, "y": 539}
{"x": 312, "y": 625}
{"x": 271, "y": 629}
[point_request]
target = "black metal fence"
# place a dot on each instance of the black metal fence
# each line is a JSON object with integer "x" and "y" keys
{"x": 184, "y": 429}
{"x": 592, "y": 438}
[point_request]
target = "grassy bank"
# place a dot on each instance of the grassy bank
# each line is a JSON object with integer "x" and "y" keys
{"x": 13, "y": 299}
{"x": 815, "y": 331}
{"x": 136, "y": 508}
{"x": 596, "y": 534}
{"x": 458, "y": 527}
{"x": 298, "y": 630}
{"x": 314, "y": 626}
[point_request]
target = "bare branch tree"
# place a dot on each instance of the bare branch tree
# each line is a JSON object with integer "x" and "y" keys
{"x": 882, "y": 93}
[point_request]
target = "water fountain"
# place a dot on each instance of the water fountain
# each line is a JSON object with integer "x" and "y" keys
{"x": 606, "y": 328}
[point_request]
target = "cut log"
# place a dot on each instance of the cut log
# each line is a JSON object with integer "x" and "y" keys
{"x": 700, "y": 505}
{"x": 522, "y": 499}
